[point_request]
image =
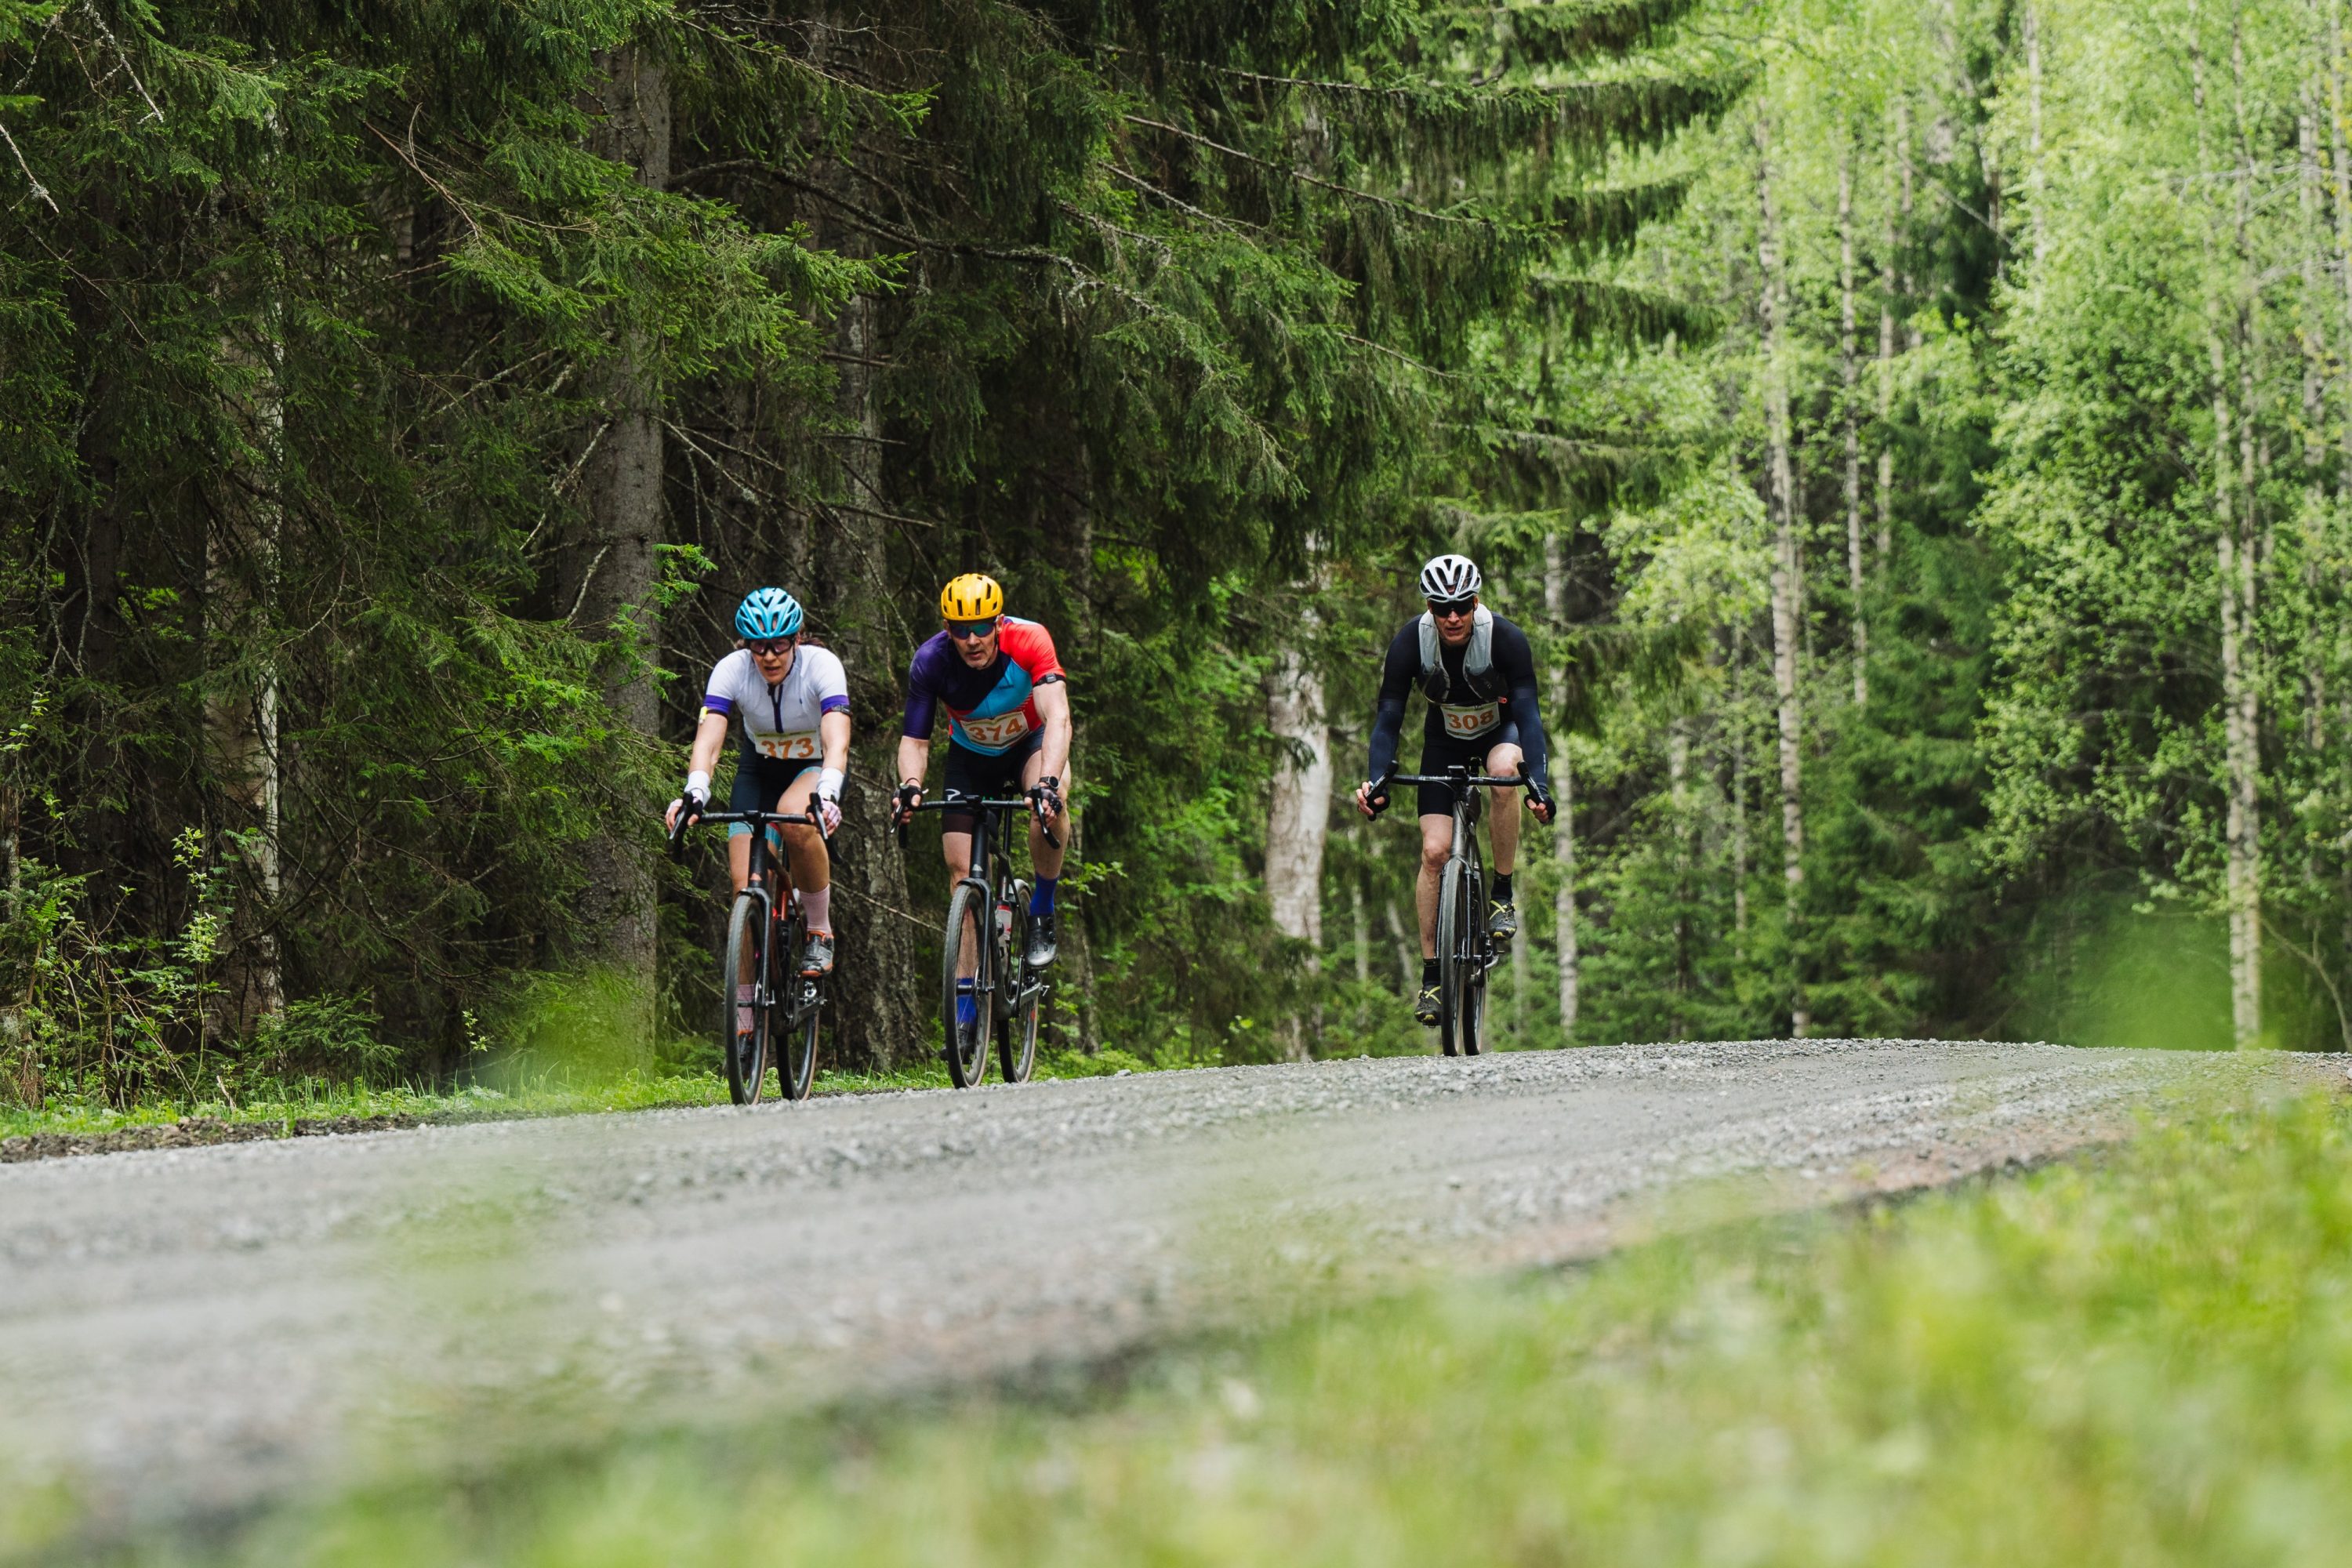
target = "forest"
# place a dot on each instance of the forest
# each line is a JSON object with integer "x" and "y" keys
{"x": 1917, "y": 437}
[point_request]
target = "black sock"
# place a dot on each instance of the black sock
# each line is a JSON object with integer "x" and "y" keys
{"x": 1429, "y": 972}
{"x": 1501, "y": 888}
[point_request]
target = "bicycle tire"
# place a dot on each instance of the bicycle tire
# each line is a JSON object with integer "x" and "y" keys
{"x": 1470, "y": 1013}
{"x": 1471, "y": 1028}
{"x": 1452, "y": 949}
{"x": 966, "y": 1044}
{"x": 749, "y": 963}
{"x": 1016, "y": 1034}
{"x": 796, "y": 1065}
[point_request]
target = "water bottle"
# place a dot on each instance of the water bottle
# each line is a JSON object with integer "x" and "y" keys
{"x": 1004, "y": 924}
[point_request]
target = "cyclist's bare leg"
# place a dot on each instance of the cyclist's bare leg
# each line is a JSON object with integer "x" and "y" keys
{"x": 1503, "y": 827}
{"x": 1437, "y": 849}
{"x": 812, "y": 864}
{"x": 1046, "y": 859}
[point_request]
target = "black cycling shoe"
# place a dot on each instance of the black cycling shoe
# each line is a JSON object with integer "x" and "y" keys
{"x": 1425, "y": 1006}
{"x": 816, "y": 958}
{"x": 1503, "y": 921}
{"x": 1042, "y": 948}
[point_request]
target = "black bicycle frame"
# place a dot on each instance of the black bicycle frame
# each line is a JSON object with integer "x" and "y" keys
{"x": 755, "y": 881}
{"x": 1464, "y": 785}
{"x": 991, "y": 866}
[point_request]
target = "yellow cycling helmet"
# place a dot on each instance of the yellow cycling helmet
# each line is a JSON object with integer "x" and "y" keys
{"x": 971, "y": 597}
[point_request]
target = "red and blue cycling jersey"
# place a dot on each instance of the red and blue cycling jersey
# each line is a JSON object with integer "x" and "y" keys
{"x": 991, "y": 710}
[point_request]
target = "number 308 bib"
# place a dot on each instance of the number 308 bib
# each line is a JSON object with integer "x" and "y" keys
{"x": 1464, "y": 724}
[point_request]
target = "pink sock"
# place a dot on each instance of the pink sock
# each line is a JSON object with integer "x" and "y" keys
{"x": 818, "y": 907}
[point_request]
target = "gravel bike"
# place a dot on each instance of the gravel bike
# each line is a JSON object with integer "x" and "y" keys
{"x": 1465, "y": 949}
{"x": 764, "y": 940}
{"x": 990, "y": 956}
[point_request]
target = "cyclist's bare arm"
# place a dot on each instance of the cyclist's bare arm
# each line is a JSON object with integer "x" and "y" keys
{"x": 832, "y": 729}
{"x": 1053, "y": 700}
{"x": 709, "y": 736}
{"x": 913, "y": 758}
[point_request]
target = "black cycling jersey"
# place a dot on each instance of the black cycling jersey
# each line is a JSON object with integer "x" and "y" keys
{"x": 1463, "y": 708}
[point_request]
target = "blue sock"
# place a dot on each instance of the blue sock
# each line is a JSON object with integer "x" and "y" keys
{"x": 967, "y": 1005}
{"x": 1041, "y": 897}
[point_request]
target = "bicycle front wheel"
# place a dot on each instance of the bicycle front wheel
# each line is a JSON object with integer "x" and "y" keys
{"x": 796, "y": 1064}
{"x": 750, "y": 969}
{"x": 1457, "y": 1023}
{"x": 963, "y": 1009}
{"x": 1016, "y": 1034}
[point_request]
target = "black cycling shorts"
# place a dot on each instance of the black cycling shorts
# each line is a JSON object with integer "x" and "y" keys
{"x": 976, "y": 775}
{"x": 1441, "y": 751}
{"x": 760, "y": 783}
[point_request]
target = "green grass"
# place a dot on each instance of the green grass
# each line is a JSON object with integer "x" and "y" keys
{"x": 556, "y": 1094}
{"x": 313, "y": 1100}
{"x": 2144, "y": 1359}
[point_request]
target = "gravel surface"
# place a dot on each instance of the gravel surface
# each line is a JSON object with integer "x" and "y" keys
{"x": 191, "y": 1331}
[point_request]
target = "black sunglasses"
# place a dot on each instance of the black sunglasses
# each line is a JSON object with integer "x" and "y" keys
{"x": 968, "y": 631}
{"x": 773, "y": 648}
{"x": 1451, "y": 608}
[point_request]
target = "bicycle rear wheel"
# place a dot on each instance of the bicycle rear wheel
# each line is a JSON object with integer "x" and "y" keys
{"x": 966, "y": 933}
{"x": 797, "y": 1063}
{"x": 749, "y": 963}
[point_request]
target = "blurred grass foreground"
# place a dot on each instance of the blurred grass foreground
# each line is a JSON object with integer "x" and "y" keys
{"x": 2146, "y": 1358}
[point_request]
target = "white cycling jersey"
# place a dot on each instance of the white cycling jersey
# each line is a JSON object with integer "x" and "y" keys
{"x": 780, "y": 720}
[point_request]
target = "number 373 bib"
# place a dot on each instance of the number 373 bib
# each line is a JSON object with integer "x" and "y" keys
{"x": 801, "y": 746}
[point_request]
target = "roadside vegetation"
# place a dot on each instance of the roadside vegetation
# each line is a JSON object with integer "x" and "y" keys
{"x": 290, "y": 1106}
{"x": 2144, "y": 1356}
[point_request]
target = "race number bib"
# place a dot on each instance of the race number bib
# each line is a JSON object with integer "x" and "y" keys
{"x": 797, "y": 748}
{"x": 1462, "y": 723}
{"x": 998, "y": 730}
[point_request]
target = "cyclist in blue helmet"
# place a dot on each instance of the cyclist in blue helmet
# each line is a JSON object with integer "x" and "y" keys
{"x": 793, "y": 701}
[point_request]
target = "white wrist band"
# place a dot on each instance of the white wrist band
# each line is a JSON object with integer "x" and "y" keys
{"x": 828, "y": 782}
{"x": 698, "y": 782}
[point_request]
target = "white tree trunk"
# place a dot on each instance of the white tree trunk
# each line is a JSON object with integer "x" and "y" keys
{"x": 2315, "y": 394}
{"x": 1850, "y": 368}
{"x": 1299, "y": 811}
{"x": 1301, "y": 806}
{"x": 241, "y": 552}
{"x": 1408, "y": 953}
{"x": 1563, "y": 827}
{"x": 2240, "y": 562}
{"x": 1891, "y": 240}
{"x": 1740, "y": 849}
{"x": 242, "y": 545}
{"x": 1786, "y": 589}
{"x": 2030, "y": 24}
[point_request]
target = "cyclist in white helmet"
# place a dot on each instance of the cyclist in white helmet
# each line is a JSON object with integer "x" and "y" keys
{"x": 1478, "y": 673}
{"x": 793, "y": 700}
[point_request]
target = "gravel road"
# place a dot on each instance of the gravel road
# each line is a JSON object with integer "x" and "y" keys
{"x": 188, "y": 1333}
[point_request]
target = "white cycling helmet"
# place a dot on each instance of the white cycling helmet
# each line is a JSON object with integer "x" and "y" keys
{"x": 1449, "y": 577}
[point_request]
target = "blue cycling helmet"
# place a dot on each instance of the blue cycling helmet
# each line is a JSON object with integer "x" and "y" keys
{"x": 767, "y": 613}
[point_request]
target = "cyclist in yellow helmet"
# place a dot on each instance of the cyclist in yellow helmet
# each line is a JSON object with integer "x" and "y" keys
{"x": 1008, "y": 708}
